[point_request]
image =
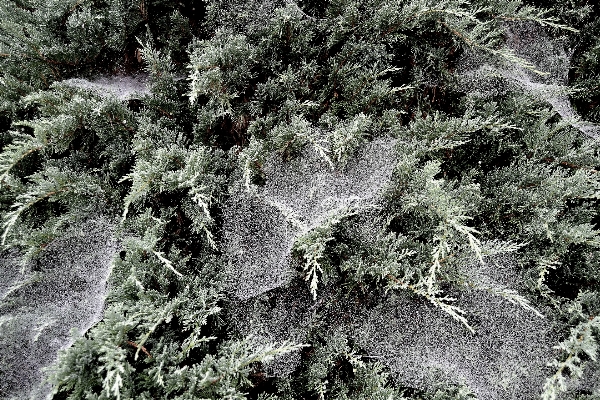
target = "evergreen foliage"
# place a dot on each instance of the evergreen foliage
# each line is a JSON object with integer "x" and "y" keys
{"x": 235, "y": 84}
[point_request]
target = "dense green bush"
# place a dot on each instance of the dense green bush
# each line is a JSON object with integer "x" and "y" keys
{"x": 476, "y": 176}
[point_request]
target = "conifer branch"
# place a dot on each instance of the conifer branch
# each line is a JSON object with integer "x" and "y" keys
{"x": 14, "y": 153}
{"x": 430, "y": 293}
{"x": 580, "y": 341}
{"x": 25, "y": 202}
{"x": 167, "y": 263}
{"x": 473, "y": 162}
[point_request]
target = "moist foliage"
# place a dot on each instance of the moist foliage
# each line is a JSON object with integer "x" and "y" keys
{"x": 234, "y": 84}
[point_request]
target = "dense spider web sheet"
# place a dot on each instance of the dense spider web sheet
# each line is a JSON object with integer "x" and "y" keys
{"x": 42, "y": 302}
{"x": 505, "y": 359}
{"x": 547, "y": 56}
{"x": 422, "y": 345}
{"x": 261, "y": 225}
{"x": 123, "y": 87}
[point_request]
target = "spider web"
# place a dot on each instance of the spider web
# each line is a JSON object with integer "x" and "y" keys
{"x": 64, "y": 290}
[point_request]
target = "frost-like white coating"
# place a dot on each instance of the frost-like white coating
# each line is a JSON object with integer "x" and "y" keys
{"x": 422, "y": 346}
{"x": 549, "y": 84}
{"x": 261, "y": 226}
{"x": 66, "y": 291}
{"x": 123, "y": 87}
{"x": 507, "y": 357}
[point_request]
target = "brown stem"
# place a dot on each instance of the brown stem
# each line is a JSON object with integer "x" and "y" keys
{"x": 142, "y": 348}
